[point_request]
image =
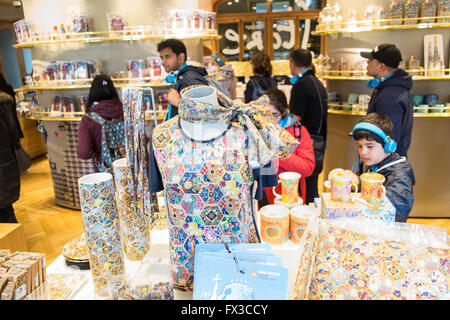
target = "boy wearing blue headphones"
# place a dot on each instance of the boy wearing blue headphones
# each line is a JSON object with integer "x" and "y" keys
{"x": 376, "y": 150}
{"x": 392, "y": 92}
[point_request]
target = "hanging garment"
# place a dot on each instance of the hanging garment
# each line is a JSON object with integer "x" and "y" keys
{"x": 210, "y": 185}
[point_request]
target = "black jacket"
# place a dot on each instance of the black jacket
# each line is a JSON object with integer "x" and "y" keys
{"x": 393, "y": 99}
{"x": 309, "y": 100}
{"x": 187, "y": 77}
{"x": 399, "y": 184}
{"x": 10, "y": 135}
{"x": 264, "y": 82}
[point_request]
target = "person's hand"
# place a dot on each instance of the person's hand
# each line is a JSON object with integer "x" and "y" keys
{"x": 173, "y": 97}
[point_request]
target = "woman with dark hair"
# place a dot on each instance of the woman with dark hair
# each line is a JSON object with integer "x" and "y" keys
{"x": 10, "y": 133}
{"x": 104, "y": 101}
{"x": 262, "y": 77}
{"x": 302, "y": 160}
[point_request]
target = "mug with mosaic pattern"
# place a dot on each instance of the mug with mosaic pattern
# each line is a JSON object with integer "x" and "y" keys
{"x": 372, "y": 188}
{"x": 341, "y": 186}
{"x": 289, "y": 187}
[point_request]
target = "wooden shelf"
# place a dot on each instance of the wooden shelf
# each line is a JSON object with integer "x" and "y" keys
{"x": 76, "y": 116}
{"x": 363, "y": 113}
{"x": 54, "y": 85}
{"x": 104, "y": 36}
{"x": 355, "y": 26}
{"x": 365, "y": 78}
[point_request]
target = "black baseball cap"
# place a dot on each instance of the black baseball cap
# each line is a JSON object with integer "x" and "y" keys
{"x": 386, "y": 53}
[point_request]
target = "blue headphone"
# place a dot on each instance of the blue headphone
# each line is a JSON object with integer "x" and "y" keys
{"x": 389, "y": 144}
{"x": 172, "y": 76}
{"x": 375, "y": 82}
{"x": 219, "y": 61}
{"x": 297, "y": 77}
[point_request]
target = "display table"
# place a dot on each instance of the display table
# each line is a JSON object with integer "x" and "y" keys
{"x": 159, "y": 253}
{"x": 12, "y": 237}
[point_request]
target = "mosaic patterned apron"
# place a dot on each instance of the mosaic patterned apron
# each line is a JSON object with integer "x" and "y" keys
{"x": 209, "y": 183}
{"x": 209, "y": 193}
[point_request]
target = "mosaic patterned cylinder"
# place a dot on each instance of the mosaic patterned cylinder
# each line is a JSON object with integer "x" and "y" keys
{"x": 101, "y": 225}
{"x": 134, "y": 227}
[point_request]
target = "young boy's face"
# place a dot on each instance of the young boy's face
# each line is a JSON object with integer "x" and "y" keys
{"x": 371, "y": 152}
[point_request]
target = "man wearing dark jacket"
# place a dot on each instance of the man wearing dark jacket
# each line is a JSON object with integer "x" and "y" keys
{"x": 173, "y": 58}
{"x": 309, "y": 100}
{"x": 10, "y": 133}
{"x": 392, "y": 96}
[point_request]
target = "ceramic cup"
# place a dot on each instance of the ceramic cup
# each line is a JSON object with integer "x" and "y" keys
{"x": 274, "y": 224}
{"x": 299, "y": 218}
{"x": 417, "y": 99}
{"x": 289, "y": 187}
{"x": 372, "y": 188}
{"x": 431, "y": 99}
{"x": 363, "y": 99}
{"x": 352, "y": 98}
{"x": 341, "y": 186}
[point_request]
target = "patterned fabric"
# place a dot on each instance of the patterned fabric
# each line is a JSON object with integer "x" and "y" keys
{"x": 208, "y": 187}
{"x": 65, "y": 176}
{"x": 135, "y": 229}
{"x": 349, "y": 265}
{"x": 137, "y": 153}
{"x": 267, "y": 139}
{"x": 101, "y": 225}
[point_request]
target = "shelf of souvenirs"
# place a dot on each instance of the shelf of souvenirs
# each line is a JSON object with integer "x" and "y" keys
{"x": 103, "y": 36}
{"x": 73, "y": 84}
{"x": 419, "y": 112}
{"x": 76, "y": 116}
{"x": 355, "y": 26}
{"x": 244, "y": 68}
{"x": 417, "y": 74}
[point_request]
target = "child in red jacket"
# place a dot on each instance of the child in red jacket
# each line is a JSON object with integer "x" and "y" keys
{"x": 302, "y": 160}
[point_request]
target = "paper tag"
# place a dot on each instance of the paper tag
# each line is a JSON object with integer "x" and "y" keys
{"x": 43, "y": 262}
{"x": 36, "y": 280}
{"x": 20, "y": 292}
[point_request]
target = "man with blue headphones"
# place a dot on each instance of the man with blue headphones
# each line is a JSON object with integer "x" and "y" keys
{"x": 173, "y": 55}
{"x": 376, "y": 150}
{"x": 391, "y": 95}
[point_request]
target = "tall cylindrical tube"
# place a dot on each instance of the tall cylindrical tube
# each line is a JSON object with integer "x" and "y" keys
{"x": 134, "y": 226}
{"x": 101, "y": 225}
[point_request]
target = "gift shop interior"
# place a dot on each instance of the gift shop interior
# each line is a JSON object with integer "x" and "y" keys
{"x": 224, "y": 149}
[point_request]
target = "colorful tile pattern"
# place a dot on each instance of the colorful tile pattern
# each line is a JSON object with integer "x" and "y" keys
{"x": 134, "y": 227}
{"x": 349, "y": 265}
{"x": 101, "y": 225}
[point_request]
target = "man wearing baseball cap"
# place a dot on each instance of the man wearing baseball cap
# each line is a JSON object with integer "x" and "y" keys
{"x": 392, "y": 91}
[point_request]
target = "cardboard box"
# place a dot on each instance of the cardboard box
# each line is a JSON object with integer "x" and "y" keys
{"x": 40, "y": 257}
{"x": 19, "y": 277}
{"x": 383, "y": 210}
{"x": 8, "y": 291}
{"x": 33, "y": 265}
{"x": 3, "y": 283}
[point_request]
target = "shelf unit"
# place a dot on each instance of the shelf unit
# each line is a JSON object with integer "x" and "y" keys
{"x": 377, "y": 25}
{"x": 118, "y": 83}
{"x": 104, "y": 36}
{"x": 365, "y": 78}
{"x": 332, "y": 110}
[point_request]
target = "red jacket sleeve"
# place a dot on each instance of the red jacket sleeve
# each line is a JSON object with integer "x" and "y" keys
{"x": 85, "y": 146}
{"x": 302, "y": 160}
